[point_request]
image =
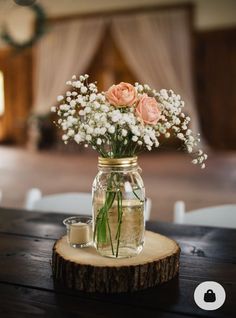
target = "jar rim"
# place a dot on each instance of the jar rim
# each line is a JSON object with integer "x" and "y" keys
{"x": 118, "y": 162}
{"x": 78, "y": 218}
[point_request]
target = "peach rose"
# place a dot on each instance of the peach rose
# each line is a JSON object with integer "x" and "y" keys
{"x": 147, "y": 110}
{"x": 121, "y": 95}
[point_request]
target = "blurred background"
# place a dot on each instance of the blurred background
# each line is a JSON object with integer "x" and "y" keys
{"x": 189, "y": 46}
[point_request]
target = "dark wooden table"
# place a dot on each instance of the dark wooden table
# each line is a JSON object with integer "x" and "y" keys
{"x": 27, "y": 288}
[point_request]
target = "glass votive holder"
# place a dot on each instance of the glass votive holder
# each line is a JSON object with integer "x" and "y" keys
{"x": 79, "y": 231}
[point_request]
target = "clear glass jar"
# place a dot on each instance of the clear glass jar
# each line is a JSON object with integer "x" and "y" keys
{"x": 118, "y": 208}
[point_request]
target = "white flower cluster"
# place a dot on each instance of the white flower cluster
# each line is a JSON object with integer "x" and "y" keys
{"x": 86, "y": 116}
{"x": 174, "y": 120}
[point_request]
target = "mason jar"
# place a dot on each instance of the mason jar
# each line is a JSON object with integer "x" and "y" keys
{"x": 118, "y": 208}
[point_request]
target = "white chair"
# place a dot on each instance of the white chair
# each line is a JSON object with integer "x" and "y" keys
{"x": 219, "y": 216}
{"x": 148, "y": 207}
{"x": 71, "y": 203}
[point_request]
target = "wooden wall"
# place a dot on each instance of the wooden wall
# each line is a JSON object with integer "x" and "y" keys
{"x": 108, "y": 65}
{"x": 17, "y": 71}
{"x": 215, "y": 66}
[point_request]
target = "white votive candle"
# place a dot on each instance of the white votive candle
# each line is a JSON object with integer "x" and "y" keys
{"x": 80, "y": 233}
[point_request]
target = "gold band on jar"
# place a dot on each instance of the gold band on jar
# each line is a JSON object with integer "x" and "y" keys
{"x": 118, "y": 162}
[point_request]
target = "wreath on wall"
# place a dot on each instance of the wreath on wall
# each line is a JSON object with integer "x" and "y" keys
{"x": 40, "y": 29}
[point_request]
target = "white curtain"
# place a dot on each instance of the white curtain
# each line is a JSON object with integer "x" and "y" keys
{"x": 66, "y": 49}
{"x": 157, "y": 47}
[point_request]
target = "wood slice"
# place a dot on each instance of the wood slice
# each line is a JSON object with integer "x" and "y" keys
{"x": 85, "y": 270}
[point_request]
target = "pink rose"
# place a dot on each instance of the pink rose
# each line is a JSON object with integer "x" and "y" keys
{"x": 122, "y": 95}
{"x": 147, "y": 110}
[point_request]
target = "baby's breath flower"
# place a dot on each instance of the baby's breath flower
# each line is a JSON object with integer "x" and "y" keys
{"x": 135, "y": 138}
{"x": 90, "y": 130}
{"x": 96, "y": 105}
{"x": 104, "y": 108}
{"x": 111, "y": 129}
{"x": 87, "y": 117}
{"x": 180, "y": 136}
{"x": 124, "y": 132}
{"x": 103, "y": 131}
{"x": 73, "y": 103}
{"x": 99, "y": 141}
{"x": 97, "y": 131}
{"x": 140, "y": 88}
{"x": 189, "y": 149}
{"x": 146, "y": 87}
{"x": 60, "y": 98}
{"x": 77, "y": 84}
{"x": 71, "y": 132}
{"x": 82, "y": 78}
{"x": 92, "y": 97}
{"x": 83, "y": 89}
{"x": 163, "y": 93}
{"x": 87, "y": 109}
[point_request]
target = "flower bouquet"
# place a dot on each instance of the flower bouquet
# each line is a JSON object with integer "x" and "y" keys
{"x": 119, "y": 124}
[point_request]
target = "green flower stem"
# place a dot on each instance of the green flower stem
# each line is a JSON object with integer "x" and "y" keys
{"x": 109, "y": 230}
{"x": 102, "y": 225}
{"x": 137, "y": 196}
{"x": 120, "y": 216}
{"x": 102, "y": 218}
